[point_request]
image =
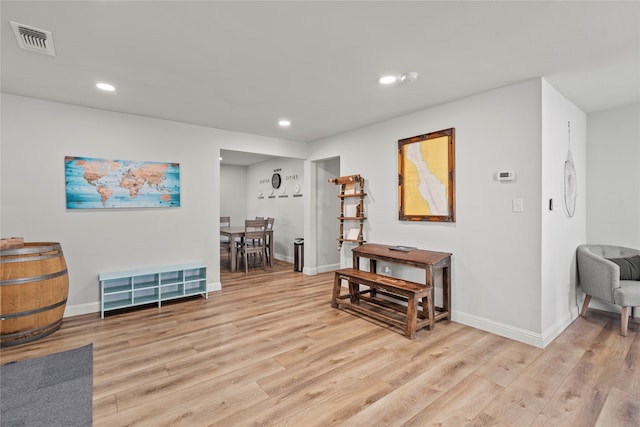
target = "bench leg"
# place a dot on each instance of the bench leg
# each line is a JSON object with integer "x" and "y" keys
{"x": 428, "y": 310}
{"x": 354, "y": 292}
{"x": 337, "y": 286}
{"x": 424, "y": 313}
{"x": 412, "y": 317}
{"x": 432, "y": 309}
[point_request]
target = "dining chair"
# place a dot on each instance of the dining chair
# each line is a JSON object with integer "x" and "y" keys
{"x": 261, "y": 217}
{"x": 254, "y": 242}
{"x": 270, "y": 222}
{"x": 225, "y": 243}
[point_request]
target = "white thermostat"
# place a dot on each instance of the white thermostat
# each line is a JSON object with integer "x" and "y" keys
{"x": 505, "y": 176}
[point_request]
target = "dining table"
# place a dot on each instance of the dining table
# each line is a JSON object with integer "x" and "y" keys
{"x": 236, "y": 232}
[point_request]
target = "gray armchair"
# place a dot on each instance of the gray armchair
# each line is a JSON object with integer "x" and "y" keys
{"x": 600, "y": 278}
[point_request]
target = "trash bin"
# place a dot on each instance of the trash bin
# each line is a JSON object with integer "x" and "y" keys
{"x": 298, "y": 254}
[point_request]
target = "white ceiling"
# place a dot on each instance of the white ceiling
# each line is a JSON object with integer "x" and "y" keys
{"x": 242, "y": 158}
{"x": 243, "y": 65}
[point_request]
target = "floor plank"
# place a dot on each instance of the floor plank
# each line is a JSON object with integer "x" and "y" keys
{"x": 269, "y": 350}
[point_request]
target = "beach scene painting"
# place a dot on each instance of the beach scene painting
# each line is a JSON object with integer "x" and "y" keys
{"x": 426, "y": 171}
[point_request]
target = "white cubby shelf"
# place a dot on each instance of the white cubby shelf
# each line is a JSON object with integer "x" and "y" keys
{"x": 122, "y": 289}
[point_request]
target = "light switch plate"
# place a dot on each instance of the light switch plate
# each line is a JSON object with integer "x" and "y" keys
{"x": 517, "y": 205}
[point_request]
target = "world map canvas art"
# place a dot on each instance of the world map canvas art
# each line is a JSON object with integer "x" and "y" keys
{"x": 99, "y": 183}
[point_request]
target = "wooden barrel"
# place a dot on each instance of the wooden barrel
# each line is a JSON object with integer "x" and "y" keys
{"x": 34, "y": 286}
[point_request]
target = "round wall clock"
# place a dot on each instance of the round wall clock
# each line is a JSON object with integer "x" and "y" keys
{"x": 276, "y": 180}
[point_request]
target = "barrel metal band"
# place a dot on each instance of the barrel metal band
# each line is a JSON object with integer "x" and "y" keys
{"x": 31, "y": 334}
{"x": 32, "y": 249}
{"x": 31, "y": 258}
{"x": 34, "y": 311}
{"x": 33, "y": 279}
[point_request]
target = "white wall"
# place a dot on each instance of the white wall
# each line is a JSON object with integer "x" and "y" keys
{"x": 327, "y": 209}
{"x": 287, "y": 208}
{"x": 36, "y": 136}
{"x": 233, "y": 187}
{"x": 561, "y": 234}
{"x": 613, "y": 182}
{"x": 237, "y": 192}
{"x": 496, "y": 253}
{"x": 512, "y": 272}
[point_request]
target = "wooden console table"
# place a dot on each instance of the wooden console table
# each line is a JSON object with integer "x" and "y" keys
{"x": 428, "y": 260}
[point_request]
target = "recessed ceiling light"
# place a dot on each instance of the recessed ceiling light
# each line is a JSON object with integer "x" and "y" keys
{"x": 105, "y": 86}
{"x": 220, "y": 159}
{"x": 387, "y": 80}
{"x": 284, "y": 123}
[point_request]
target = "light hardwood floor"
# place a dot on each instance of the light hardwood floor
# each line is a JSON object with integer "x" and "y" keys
{"x": 269, "y": 350}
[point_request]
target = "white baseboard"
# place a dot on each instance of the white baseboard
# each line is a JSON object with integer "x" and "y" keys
{"x": 328, "y": 267}
{"x": 309, "y": 271}
{"x": 215, "y": 286}
{"x": 283, "y": 258}
{"x": 515, "y": 333}
{"x": 552, "y": 332}
{"x": 502, "y": 329}
{"x": 80, "y": 309}
{"x": 312, "y": 271}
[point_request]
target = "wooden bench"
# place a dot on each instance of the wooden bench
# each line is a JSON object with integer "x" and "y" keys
{"x": 418, "y": 313}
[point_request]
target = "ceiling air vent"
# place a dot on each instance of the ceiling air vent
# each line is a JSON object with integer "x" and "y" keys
{"x": 34, "y": 39}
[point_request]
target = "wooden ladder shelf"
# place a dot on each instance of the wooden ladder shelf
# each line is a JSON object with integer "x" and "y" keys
{"x": 351, "y": 208}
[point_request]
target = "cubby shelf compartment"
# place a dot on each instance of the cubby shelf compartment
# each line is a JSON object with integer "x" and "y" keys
{"x": 122, "y": 289}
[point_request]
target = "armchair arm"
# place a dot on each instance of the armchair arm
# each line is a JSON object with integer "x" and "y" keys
{"x": 598, "y": 276}
{"x": 628, "y": 252}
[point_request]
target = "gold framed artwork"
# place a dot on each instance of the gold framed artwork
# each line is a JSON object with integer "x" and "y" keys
{"x": 426, "y": 177}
